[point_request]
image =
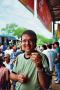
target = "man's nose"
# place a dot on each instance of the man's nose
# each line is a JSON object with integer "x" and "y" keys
{"x": 27, "y": 42}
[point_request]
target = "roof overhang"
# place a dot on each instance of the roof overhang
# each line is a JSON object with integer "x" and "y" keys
{"x": 43, "y": 12}
{"x": 54, "y": 6}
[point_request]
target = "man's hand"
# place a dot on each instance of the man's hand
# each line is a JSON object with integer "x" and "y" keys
{"x": 37, "y": 58}
{"x": 22, "y": 78}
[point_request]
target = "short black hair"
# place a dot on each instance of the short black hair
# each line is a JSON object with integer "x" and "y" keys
{"x": 30, "y": 33}
{"x": 49, "y": 46}
{"x": 57, "y": 43}
{"x": 44, "y": 47}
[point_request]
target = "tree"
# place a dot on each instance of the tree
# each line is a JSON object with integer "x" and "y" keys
{"x": 9, "y": 28}
{"x": 42, "y": 40}
{"x": 19, "y": 31}
{"x": 13, "y": 29}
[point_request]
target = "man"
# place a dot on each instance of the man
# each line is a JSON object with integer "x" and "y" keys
{"x": 28, "y": 71}
{"x": 15, "y": 52}
{"x": 57, "y": 62}
{"x": 51, "y": 55}
{"x": 7, "y": 62}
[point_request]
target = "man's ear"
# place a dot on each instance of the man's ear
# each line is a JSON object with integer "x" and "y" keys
{"x": 21, "y": 47}
{"x": 34, "y": 45}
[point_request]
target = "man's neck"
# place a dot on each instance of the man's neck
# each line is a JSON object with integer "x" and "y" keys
{"x": 27, "y": 55}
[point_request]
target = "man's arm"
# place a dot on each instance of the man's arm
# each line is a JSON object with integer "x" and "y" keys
{"x": 42, "y": 78}
{"x": 37, "y": 58}
{"x": 13, "y": 76}
{"x": 20, "y": 78}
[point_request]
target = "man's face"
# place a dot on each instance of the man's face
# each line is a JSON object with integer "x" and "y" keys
{"x": 27, "y": 43}
{"x": 55, "y": 46}
{"x": 14, "y": 48}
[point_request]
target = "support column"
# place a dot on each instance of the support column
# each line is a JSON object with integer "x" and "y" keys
{"x": 54, "y": 32}
{"x": 35, "y": 8}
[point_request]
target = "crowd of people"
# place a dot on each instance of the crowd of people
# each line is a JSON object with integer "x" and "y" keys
{"x": 25, "y": 67}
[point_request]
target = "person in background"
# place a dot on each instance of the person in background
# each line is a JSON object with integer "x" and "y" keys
{"x": 44, "y": 47}
{"x": 28, "y": 71}
{"x": 1, "y": 53}
{"x": 15, "y": 53}
{"x": 8, "y": 50}
{"x": 7, "y": 62}
{"x": 57, "y": 62}
{"x": 4, "y": 77}
{"x": 4, "y": 47}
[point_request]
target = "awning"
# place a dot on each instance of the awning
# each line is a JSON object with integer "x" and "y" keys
{"x": 42, "y": 11}
{"x": 54, "y": 6}
{"x": 9, "y": 37}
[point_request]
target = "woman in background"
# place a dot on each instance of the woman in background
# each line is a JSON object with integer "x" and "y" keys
{"x": 4, "y": 77}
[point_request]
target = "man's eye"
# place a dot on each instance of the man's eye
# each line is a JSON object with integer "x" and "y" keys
{"x": 29, "y": 41}
{"x": 23, "y": 40}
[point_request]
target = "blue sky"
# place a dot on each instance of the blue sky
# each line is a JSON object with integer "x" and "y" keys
{"x": 12, "y": 11}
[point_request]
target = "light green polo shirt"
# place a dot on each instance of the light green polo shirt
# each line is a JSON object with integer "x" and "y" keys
{"x": 26, "y": 67}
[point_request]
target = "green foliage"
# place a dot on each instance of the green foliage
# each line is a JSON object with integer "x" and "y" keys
{"x": 13, "y": 29}
{"x": 42, "y": 40}
{"x": 9, "y": 28}
{"x": 19, "y": 31}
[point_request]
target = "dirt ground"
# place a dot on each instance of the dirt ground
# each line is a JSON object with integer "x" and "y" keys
{"x": 54, "y": 85}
